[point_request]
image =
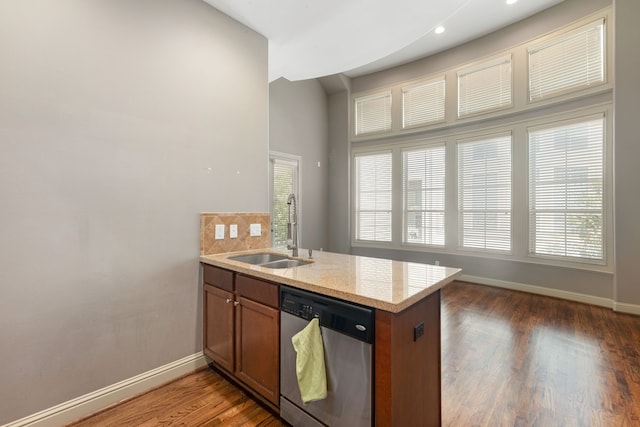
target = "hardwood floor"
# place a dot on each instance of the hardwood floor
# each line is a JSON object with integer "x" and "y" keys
{"x": 203, "y": 398}
{"x": 508, "y": 359}
{"x": 516, "y": 359}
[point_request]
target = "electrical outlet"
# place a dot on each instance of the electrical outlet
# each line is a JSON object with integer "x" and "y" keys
{"x": 437, "y": 262}
{"x": 255, "y": 230}
{"x": 219, "y": 231}
{"x": 233, "y": 231}
{"x": 418, "y": 331}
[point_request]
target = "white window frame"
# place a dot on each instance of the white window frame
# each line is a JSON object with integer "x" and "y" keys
{"x": 295, "y": 162}
{"x": 437, "y": 83}
{"x": 520, "y": 243}
{"x": 479, "y": 69}
{"x": 485, "y": 191}
{"x": 356, "y": 237}
{"x": 406, "y": 212}
{"x": 606, "y": 190}
{"x": 556, "y": 40}
{"x": 386, "y": 97}
{"x": 520, "y": 92}
{"x": 522, "y": 116}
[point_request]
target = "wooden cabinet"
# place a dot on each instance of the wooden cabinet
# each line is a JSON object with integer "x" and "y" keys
{"x": 257, "y": 350}
{"x": 242, "y": 329}
{"x": 218, "y": 326}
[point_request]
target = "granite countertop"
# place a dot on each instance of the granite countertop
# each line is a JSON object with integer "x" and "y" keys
{"x": 380, "y": 283}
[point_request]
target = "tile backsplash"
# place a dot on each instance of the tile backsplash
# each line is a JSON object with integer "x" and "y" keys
{"x": 208, "y": 221}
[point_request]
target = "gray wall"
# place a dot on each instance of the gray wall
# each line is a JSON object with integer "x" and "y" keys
{"x": 298, "y": 125}
{"x": 120, "y": 121}
{"x": 627, "y": 150}
{"x": 624, "y": 286}
{"x": 339, "y": 161}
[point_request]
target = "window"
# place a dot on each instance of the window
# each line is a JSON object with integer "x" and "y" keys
{"x": 522, "y": 172}
{"x": 373, "y": 113}
{"x": 423, "y": 103}
{"x": 373, "y": 197}
{"x": 424, "y": 195}
{"x": 284, "y": 181}
{"x": 566, "y": 181}
{"x": 485, "y": 87}
{"x": 569, "y": 62}
{"x": 484, "y": 193}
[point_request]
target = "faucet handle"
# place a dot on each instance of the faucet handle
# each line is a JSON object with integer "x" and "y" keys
{"x": 310, "y": 253}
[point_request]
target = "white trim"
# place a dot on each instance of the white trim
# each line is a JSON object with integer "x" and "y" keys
{"x": 627, "y": 308}
{"x": 95, "y": 401}
{"x": 539, "y": 290}
{"x": 485, "y": 65}
{"x": 296, "y": 161}
{"x": 556, "y": 293}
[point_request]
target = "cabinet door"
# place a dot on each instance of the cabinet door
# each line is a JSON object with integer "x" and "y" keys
{"x": 257, "y": 347}
{"x": 218, "y": 326}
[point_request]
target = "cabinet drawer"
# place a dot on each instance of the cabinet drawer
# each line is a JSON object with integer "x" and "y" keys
{"x": 257, "y": 290}
{"x": 218, "y": 277}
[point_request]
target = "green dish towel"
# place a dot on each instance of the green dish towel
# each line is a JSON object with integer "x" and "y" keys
{"x": 310, "y": 370}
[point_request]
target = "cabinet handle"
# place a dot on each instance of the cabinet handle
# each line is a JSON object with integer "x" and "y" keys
{"x": 236, "y": 303}
{"x": 228, "y": 300}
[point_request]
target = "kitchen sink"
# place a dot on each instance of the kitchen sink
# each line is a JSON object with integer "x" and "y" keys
{"x": 269, "y": 260}
{"x": 259, "y": 259}
{"x": 285, "y": 263}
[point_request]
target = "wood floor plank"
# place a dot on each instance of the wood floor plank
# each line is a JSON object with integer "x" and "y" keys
{"x": 516, "y": 359}
{"x": 203, "y": 398}
{"x": 508, "y": 359}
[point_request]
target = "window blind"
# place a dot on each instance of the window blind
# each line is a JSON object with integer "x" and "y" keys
{"x": 569, "y": 62}
{"x": 424, "y": 195}
{"x": 485, "y": 87}
{"x": 373, "y": 196}
{"x": 566, "y": 181}
{"x": 484, "y": 193}
{"x": 284, "y": 175}
{"x": 423, "y": 103}
{"x": 373, "y": 113}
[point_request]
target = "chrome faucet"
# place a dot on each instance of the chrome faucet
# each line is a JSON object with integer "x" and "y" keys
{"x": 292, "y": 227}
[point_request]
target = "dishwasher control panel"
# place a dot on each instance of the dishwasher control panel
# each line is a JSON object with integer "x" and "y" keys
{"x": 344, "y": 317}
{"x": 299, "y": 308}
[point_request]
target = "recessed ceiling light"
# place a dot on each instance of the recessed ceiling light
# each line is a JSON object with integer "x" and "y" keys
{"x": 511, "y": 1}
{"x": 439, "y": 30}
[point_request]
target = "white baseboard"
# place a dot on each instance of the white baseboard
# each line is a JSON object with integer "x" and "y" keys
{"x": 627, "y": 308}
{"x": 95, "y": 401}
{"x": 539, "y": 290}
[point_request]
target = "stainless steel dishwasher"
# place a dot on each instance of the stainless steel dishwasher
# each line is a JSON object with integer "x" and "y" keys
{"x": 347, "y": 334}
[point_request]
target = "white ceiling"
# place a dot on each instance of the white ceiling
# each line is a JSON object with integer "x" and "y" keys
{"x": 316, "y": 38}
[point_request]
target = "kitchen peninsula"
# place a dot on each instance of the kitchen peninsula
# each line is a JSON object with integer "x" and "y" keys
{"x": 406, "y": 300}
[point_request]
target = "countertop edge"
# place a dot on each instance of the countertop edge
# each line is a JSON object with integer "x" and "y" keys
{"x": 265, "y": 274}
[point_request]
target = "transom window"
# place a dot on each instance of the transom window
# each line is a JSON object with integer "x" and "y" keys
{"x": 373, "y": 113}
{"x": 569, "y": 62}
{"x": 485, "y": 87}
{"x": 423, "y": 103}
